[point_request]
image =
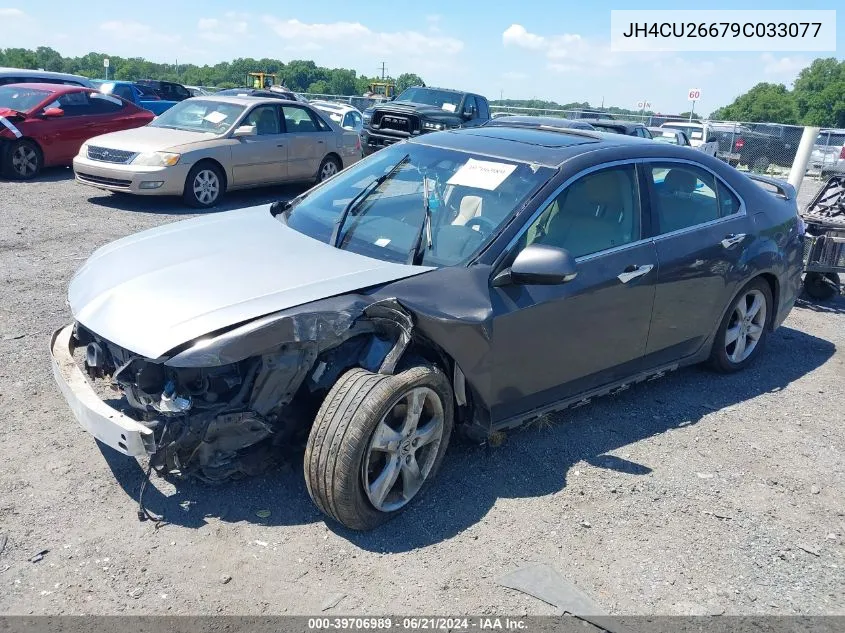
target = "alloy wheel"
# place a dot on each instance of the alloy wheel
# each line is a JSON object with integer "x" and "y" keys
{"x": 25, "y": 161}
{"x": 403, "y": 449}
{"x": 746, "y": 326}
{"x": 329, "y": 169}
{"x": 206, "y": 186}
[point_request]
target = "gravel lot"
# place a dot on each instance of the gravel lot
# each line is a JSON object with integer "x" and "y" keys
{"x": 692, "y": 495}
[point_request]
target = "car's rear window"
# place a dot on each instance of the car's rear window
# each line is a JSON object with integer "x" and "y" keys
{"x": 21, "y": 98}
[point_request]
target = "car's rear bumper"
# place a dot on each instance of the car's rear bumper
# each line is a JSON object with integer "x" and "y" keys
{"x": 131, "y": 178}
{"x": 108, "y": 425}
{"x": 835, "y": 166}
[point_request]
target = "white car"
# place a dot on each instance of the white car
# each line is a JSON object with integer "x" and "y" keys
{"x": 343, "y": 114}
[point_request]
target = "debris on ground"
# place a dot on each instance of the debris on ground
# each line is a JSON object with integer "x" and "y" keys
{"x": 225, "y": 579}
{"x": 546, "y": 584}
{"x": 263, "y": 514}
{"x": 39, "y": 556}
{"x": 3, "y": 540}
{"x": 332, "y": 601}
{"x": 809, "y": 549}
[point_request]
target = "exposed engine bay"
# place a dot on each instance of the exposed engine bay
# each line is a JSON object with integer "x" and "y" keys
{"x": 216, "y": 420}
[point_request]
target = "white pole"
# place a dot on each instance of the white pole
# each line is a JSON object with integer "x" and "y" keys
{"x": 802, "y": 156}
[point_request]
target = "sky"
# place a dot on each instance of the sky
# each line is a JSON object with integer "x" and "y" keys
{"x": 544, "y": 49}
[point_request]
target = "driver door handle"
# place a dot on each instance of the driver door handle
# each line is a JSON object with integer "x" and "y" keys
{"x": 733, "y": 239}
{"x": 632, "y": 272}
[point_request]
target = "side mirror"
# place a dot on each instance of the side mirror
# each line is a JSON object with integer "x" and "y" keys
{"x": 245, "y": 130}
{"x": 539, "y": 264}
{"x": 467, "y": 115}
{"x": 53, "y": 112}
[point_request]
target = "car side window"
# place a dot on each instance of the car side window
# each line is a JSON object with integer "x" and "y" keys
{"x": 684, "y": 196}
{"x": 104, "y": 104}
{"x": 298, "y": 120}
{"x": 596, "y": 212}
{"x": 483, "y": 109}
{"x": 181, "y": 93}
{"x": 124, "y": 92}
{"x": 728, "y": 202}
{"x": 74, "y": 104}
{"x": 265, "y": 118}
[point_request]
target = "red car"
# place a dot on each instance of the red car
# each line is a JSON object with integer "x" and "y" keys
{"x": 42, "y": 125}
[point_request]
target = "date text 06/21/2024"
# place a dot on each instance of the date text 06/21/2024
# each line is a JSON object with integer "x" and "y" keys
{"x": 456, "y": 624}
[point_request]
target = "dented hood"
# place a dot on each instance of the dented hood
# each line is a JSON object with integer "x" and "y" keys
{"x": 155, "y": 290}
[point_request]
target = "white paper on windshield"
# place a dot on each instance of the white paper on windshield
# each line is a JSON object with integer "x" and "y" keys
{"x": 449, "y": 107}
{"x": 696, "y": 135}
{"x": 215, "y": 117}
{"x": 382, "y": 241}
{"x": 481, "y": 174}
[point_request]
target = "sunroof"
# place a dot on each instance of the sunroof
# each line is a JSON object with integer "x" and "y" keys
{"x": 544, "y": 138}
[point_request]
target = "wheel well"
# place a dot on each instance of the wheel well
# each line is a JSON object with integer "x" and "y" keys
{"x": 219, "y": 166}
{"x": 336, "y": 157}
{"x": 775, "y": 288}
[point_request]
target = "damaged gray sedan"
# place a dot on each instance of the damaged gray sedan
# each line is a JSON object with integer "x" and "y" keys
{"x": 468, "y": 280}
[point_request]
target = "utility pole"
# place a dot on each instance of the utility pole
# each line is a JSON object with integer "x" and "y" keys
{"x": 382, "y": 71}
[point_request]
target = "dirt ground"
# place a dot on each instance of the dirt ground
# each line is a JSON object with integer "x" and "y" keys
{"x": 694, "y": 494}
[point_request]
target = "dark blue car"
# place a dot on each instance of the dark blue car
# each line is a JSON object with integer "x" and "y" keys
{"x": 139, "y": 95}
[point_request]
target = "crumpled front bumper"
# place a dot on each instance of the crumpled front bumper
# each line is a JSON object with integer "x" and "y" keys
{"x": 108, "y": 425}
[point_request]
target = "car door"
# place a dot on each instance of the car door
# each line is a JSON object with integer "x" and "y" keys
{"x": 109, "y": 114}
{"x": 700, "y": 229}
{"x": 551, "y": 342}
{"x": 262, "y": 158}
{"x": 66, "y": 134}
{"x": 309, "y": 139}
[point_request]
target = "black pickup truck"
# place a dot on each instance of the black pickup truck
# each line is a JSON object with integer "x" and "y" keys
{"x": 419, "y": 110}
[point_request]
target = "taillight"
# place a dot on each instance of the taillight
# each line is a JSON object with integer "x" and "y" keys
{"x": 842, "y": 153}
{"x": 740, "y": 143}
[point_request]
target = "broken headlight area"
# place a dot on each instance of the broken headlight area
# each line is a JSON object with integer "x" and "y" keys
{"x": 210, "y": 422}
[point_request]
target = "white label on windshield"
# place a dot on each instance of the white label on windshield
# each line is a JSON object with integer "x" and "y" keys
{"x": 449, "y": 107}
{"x": 382, "y": 241}
{"x": 215, "y": 117}
{"x": 481, "y": 174}
{"x": 697, "y": 135}
{"x": 105, "y": 97}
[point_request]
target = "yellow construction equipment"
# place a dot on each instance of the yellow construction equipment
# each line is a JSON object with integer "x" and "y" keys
{"x": 381, "y": 90}
{"x": 261, "y": 80}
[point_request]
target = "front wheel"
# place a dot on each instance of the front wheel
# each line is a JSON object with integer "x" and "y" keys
{"x": 743, "y": 331}
{"x": 23, "y": 160}
{"x": 203, "y": 186}
{"x": 377, "y": 441}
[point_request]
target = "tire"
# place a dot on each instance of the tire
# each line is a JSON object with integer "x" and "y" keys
{"x": 342, "y": 465}
{"x": 328, "y": 168}
{"x": 760, "y": 164}
{"x": 723, "y": 355}
{"x": 23, "y": 160}
{"x": 203, "y": 186}
{"x": 817, "y": 289}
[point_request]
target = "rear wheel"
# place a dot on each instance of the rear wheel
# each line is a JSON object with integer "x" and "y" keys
{"x": 818, "y": 285}
{"x": 760, "y": 164}
{"x": 23, "y": 160}
{"x": 328, "y": 168}
{"x": 743, "y": 332}
{"x": 203, "y": 186}
{"x": 377, "y": 442}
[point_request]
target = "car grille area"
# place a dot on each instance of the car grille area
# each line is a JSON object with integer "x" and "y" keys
{"x": 396, "y": 122}
{"x": 108, "y": 155}
{"x": 102, "y": 180}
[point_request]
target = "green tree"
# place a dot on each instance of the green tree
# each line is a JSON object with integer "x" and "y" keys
{"x": 765, "y": 102}
{"x": 318, "y": 88}
{"x": 820, "y": 93}
{"x": 406, "y": 80}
